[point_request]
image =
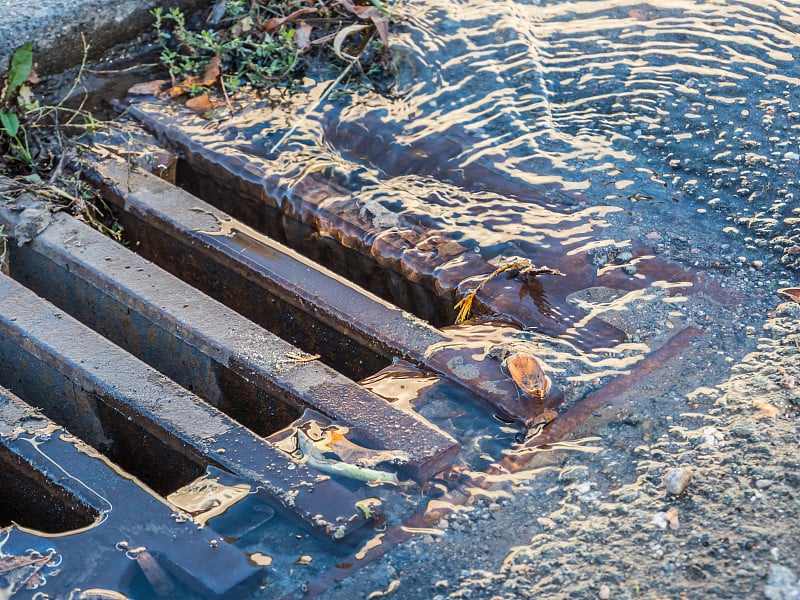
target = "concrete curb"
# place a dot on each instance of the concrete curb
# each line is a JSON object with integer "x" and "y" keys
{"x": 55, "y": 26}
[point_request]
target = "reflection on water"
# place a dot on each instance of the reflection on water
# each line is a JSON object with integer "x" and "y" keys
{"x": 519, "y": 128}
{"x": 608, "y": 99}
{"x": 524, "y": 132}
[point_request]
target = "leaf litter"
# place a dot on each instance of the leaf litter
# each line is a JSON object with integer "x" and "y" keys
{"x": 27, "y": 571}
{"x": 266, "y": 45}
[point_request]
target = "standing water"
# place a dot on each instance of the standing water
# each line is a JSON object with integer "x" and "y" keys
{"x": 601, "y": 130}
{"x": 650, "y": 154}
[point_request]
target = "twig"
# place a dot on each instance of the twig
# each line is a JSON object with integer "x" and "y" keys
{"x": 523, "y": 266}
{"x": 63, "y": 155}
{"x": 75, "y": 81}
{"x": 337, "y": 47}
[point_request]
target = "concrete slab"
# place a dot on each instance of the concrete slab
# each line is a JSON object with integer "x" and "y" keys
{"x": 55, "y": 27}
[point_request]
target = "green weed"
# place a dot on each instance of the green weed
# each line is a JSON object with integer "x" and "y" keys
{"x": 36, "y": 154}
{"x": 271, "y": 44}
{"x": 14, "y": 136}
{"x": 246, "y": 55}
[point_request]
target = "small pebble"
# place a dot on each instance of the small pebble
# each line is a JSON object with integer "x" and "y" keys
{"x": 574, "y": 473}
{"x": 624, "y": 257}
{"x": 604, "y": 593}
{"x": 660, "y": 520}
{"x": 677, "y": 480}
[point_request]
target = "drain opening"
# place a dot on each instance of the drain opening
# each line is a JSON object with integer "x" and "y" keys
{"x": 33, "y": 500}
{"x": 244, "y": 201}
{"x": 92, "y": 417}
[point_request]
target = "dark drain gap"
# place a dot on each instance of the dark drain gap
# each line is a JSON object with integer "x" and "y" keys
{"x": 93, "y": 418}
{"x": 260, "y": 411}
{"x": 245, "y": 202}
{"x": 32, "y": 499}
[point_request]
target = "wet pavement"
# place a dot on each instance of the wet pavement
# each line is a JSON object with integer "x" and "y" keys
{"x": 648, "y": 153}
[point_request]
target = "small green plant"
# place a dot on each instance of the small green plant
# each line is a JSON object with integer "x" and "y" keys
{"x": 246, "y": 55}
{"x": 25, "y": 124}
{"x": 269, "y": 44}
{"x": 16, "y": 137}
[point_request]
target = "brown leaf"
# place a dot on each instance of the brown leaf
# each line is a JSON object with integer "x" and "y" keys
{"x": 176, "y": 91}
{"x": 200, "y": 104}
{"x": 382, "y": 27}
{"x": 527, "y": 373}
{"x": 347, "y": 451}
{"x": 275, "y": 23}
{"x": 365, "y": 12}
{"x": 147, "y": 88}
{"x": 211, "y": 73}
{"x": 302, "y": 36}
{"x": 370, "y": 13}
{"x": 639, "y": 14}
{"x": 209, "y": 77}
{"x": 791, "y": 293}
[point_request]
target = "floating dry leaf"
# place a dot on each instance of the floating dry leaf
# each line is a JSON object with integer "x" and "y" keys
{"x": 523, "y": 268}
{"x": 528, "y": 374}
{"x": 335, "y": 442}
{"x": 791, "y": 293}
{"x": 316, "y": 460}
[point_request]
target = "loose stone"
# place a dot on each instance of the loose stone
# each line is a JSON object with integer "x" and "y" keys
{"x": 677, "y": 480}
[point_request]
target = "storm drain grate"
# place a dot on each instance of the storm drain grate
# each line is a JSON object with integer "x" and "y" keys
{"x": 162, "y": 409}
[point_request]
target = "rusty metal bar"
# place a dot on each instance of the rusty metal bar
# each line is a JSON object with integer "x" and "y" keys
{"x": 284, "y": 291}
